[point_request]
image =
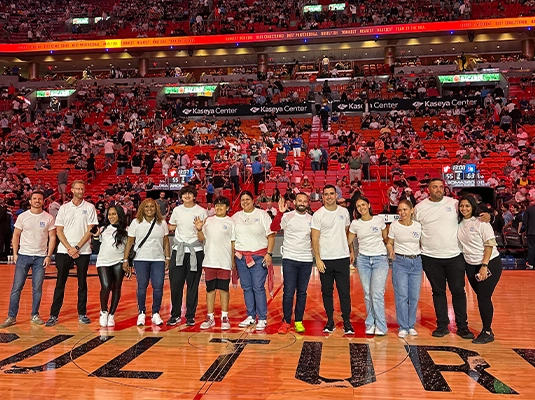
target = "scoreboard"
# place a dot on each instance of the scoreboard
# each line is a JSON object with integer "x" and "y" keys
{"x": 175, "y": 180}
{"x": 465, "y": 175}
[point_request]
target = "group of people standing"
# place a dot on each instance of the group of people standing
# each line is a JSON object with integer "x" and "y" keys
{"x": 444, "y": 238}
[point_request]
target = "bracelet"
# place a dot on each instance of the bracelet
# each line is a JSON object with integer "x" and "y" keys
{"x": 48, "y": 256}
{"x": 199, "y": 230}
{"x": 484, "y": 265}
{"x": 167, "y": 258}
{"x": 125, "y": 260}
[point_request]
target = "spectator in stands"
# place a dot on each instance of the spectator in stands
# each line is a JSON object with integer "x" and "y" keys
{"x": 528, "y": 224}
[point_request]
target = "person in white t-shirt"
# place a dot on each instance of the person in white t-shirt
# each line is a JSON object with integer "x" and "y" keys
{"x": 482, "y": 261}
{"x": 74, "y": 223}
{"x": 218, "y": 234}
{"x": 113, "y": 237}
{"x": 296, "y": 259}
{"x": 404, "y": 250}
{"x": 34, "y": 240}
{"x": 442, "y": 260}
{"x": 329, "y": 234}
{"x": 185, "y": 269}
{"x": 151, "y": 260}
{"x": 372, "y": 263}
{"x": 253, "y": 256}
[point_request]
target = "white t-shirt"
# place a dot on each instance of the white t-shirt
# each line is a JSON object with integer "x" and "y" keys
{"x": 109, "y": 254}
{"x": 75, "y": 221}
{"x": 219, "y": 233}
{"x": 152, "y": 249}
{"x": 439, "y": 227}
{"x": 34, "y": 235}
{"x": 369, "y": 235}
{"x": 332, "y": 226}
{"x": 472, "y": 235}
{"x": 252, "y": 230}
{"x": 406, "y": 238}
{"x": 297, "y": 244}
{"x": 183, "y": 218}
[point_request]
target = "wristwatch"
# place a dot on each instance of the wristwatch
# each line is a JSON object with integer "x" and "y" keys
{"x": 77, "y": 247}
{"x": 269, "y": 254}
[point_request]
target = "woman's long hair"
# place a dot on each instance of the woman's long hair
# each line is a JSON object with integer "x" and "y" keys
{"x": 475, "y": 208}
{"x": 121, "y": 234}
{"x": 140, "y": 216}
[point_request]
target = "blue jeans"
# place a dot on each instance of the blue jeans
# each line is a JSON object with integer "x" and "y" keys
{"x": 296, "y": 277}
{"x": 407, "y": 279}
{"x": 155, "y": 271}
{"x": 24, "y": 263}
{"x": 120, "y": 170}
{"x": 253, "y": 283}
{"x": 373, "y": 271}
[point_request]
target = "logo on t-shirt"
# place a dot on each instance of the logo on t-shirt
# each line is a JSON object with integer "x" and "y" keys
{"x": 472, "y": 229}
{"x": 84, "y": 212}
{"x": 225, "y": 227}
{"x": 42, "y": 224}
{"x": 416, "y": 234}
{"x": 375, "y": 229}
{"x": 341, "y": 216}
{"x": 449, "y": 209}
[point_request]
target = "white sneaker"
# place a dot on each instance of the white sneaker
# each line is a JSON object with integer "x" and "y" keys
{"x": 413, "y": 332}
{"x": 403, "y": 333}
{"x": 379, "y": 332}
{"x": 261, "y": 325}
{"x": 111, "y": 320}
{"x": 247, "y": 322}
{"x": 141, "y": 319}
{"x": 210, "y": 322}
{"x": 103, "y": 318}
{"x": 370, "y": 330}
{"x": 156, "y": 319}
{"x": 225, "y": 324}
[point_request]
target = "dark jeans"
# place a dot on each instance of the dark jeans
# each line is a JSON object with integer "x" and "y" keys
{"x": 484, "y": 289}
{"x": 256, "y": 180}
{"x": 450, "y": 270}
{"x": 235, "y": 179}
{"x": 336, "y": 271}
{"x": 63, "y": 263}
{"x": 111, "y": 280}
{"x": 296, "y": 277}
{"x": 155, "y": 272}
{"x": 315, "y": 165}
{"x": 366, "y": 171}
{"x": 180, "y": 275}
{"x": 531, "y": 249}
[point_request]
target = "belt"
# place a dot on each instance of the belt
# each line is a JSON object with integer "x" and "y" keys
{"x": 408, "y": 255}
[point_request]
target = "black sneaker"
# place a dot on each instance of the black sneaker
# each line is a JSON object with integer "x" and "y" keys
{"x": 440, "y": 332}
{"x": 465, "y": 333}
{"x": 172, "y": 321}
{"x": 190, "y": 322}
{"x": 329, "y": 327}
{"x": 84, "y": 319}
{"x": 53, "y": 320}
{"x": 348, "y": 328}
{"x": 484, "y": 337}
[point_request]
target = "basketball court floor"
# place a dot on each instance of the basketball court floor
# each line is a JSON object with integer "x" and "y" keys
{"x": 72, "y": 361}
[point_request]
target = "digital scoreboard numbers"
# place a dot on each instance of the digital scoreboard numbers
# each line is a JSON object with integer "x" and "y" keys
{"x": 175, "y": 180}
{"x": 465, "y": 175}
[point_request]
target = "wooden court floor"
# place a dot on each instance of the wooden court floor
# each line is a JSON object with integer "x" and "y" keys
{"x": 72, "y": 361}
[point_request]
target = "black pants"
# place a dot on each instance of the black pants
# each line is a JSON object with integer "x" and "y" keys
{"x": 484, "y": 289}
{"x": 256, "y": 180}
{"x": 450, "y": 270}
{"x": 235, "y": 179}
{"x": 531, "y": 249}
{"x": 63, "y": 263}
{"x": 336, "y": 271}
{"x": 209, "y": 197}
{"x": 178, "y": 276}
{"x": 366, "y": 171}
{"x": 111, "y": 280}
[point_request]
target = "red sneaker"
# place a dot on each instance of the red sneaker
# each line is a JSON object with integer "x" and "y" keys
{"x": 284, "y": 328}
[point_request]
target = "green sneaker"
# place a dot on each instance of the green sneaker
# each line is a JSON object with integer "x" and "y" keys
{"x": 299, "y": 328}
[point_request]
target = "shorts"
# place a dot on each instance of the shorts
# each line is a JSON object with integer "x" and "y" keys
{"x": 217, "y": 278}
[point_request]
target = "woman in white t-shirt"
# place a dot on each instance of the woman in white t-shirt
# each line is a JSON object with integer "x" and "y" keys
{"x": 482, "y": 260}
{"x": 404, "y": 250}
{"x": 151, "y": 260}
{"x": 253, "y": 251}
{"x": 372, "y": 263}
{"x": 113, "y": 237}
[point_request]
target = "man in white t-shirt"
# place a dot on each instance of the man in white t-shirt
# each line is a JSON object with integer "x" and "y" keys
{"x": 34, "y": 240}
{"x": 183, "y": 267}
{"x": 74, "y": 223}
{"x": 441, "y": 257}
{"x": 330, "y": 226}
{"x": 296, "y": 259}
{"x": 218, "y": 234}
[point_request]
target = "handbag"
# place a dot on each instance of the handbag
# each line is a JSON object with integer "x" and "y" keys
{"x": 132, "y": 253}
